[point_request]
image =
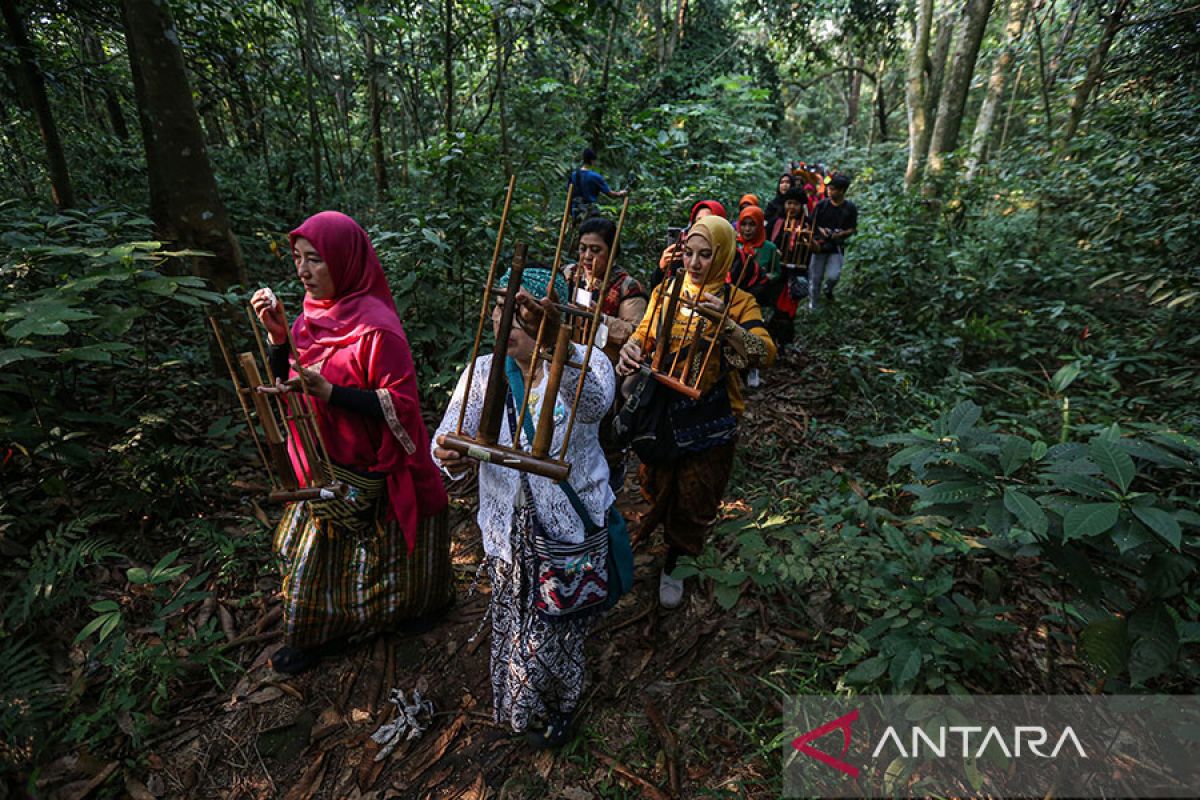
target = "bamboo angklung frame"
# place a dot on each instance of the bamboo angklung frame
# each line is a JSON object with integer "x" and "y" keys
{"x": 681, "y": 379}
{"x": 286, "y": 485}
{"x": 485, "y": 446}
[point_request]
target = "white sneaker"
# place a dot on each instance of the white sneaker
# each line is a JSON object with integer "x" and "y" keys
{"x": 753, "y": 380}
{"x": 670, "y": 591}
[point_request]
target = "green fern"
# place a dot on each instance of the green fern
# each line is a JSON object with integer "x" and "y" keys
{"x": 30, "y": 700}
{"x": 45, "y": 580}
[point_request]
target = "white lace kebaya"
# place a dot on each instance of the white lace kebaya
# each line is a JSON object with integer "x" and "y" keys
{"x": 499, "y": 486}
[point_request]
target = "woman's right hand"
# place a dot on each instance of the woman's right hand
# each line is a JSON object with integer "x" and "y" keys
{"x": 452, "y": 460}
{"x": 630, "y": 360}
{"x": 269, "y": 310}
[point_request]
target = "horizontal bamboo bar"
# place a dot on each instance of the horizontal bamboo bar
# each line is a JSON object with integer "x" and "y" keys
{"x": 506, "y": 457}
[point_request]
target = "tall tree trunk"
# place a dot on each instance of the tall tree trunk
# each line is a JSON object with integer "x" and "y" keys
{"x": 915, "y": 94}
{"x": 660, "y": 33}
{"x": 56, "y": 160}
{"x": 94, "y": 53}
{"x": 183, "y": 191}
{"x": 501, "y": 63}
{"x": 375, "y": 109}
{"x": 304, "y": 33}
{"x": 1064, "y": 38}
{"x": 679, "y": 18}
{"x": 946, "y": 25}
{"x": 1083, "y": 91}
{"x": 600, "y": 102}
{"x": 880, "y": 104}
{"x": 448, "y": 67}
{"x": 853, "y": 95}
{"x": 995, "y": 88}
{"x": 953, "y": 101}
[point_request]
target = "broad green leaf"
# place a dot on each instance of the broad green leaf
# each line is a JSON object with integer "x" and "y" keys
{"x": 727, "y": 595}
{"x": 868, "y": 670}
{"x": 1089, "y": 519}
{"x": 1105, "y": 645}
{"x": 1155, "y": 643}
{"x": 1014, "y": 453}
{"x": 12, "y": 355}
{"x": 1038, "y": 450}
{"x": 905, "y": 666}
{"x": 952, "y": 492}
{"x": 1161, "y": 522}
{"x": 137, "y": 575}
{"x": 1026, "y": 509}
{"x": 1115, "y": 462}
{"x": 1065, "y": 376}
{"x": 962, "y": 418}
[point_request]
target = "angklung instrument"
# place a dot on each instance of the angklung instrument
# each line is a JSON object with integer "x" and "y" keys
{"x": 284, "y": 429}
{"x": 677, "y": 369}
{"x": 576, "y": 321}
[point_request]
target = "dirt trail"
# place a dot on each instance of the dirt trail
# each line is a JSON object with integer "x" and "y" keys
{"x": 673, "y": 702}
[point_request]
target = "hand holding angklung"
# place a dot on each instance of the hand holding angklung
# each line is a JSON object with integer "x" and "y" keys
{"x": 710, "y": 302}
{"x": 530, "y": 313}
{"x": 630, "y": 359}
{"x": 315, "y": 382}
{"x": 452, "y": 460}
{"x": 269, "y": 310}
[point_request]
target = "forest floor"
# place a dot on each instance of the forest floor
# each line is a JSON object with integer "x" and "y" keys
{"x": 680, "y": 704}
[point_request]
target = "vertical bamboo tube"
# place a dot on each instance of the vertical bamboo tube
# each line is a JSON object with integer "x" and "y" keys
{"x": 237, "y": 390}
{"x": 497, "y": 385}
{"x": 484, "y": 311}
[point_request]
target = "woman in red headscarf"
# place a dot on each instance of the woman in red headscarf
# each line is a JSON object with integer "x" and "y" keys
{"x": 756, "y": 260}
{"x": 382, "y": 555}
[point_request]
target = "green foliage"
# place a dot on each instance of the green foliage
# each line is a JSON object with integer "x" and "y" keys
{"x": 1114, "y": 518}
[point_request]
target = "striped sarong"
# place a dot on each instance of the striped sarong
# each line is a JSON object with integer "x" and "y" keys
{"x": 338, "y": 582}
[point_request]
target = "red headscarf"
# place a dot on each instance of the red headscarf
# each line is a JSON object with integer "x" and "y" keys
{"x": 711, "y": 205}
{"x": 362, "y": 299}
{"x": 748, "y": 248}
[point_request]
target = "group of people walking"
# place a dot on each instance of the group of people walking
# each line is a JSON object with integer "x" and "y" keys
{"x": 379, "y": 559}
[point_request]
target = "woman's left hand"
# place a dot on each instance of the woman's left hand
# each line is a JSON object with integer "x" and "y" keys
{"x": 710, "y": 302}
{"x": 315, "y": 382}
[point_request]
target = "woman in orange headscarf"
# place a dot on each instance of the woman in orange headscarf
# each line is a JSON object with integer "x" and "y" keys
{"x": 685, "y": 492}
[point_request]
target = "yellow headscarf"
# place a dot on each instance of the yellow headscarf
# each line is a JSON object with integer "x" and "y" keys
{"x": 721, "y": 238}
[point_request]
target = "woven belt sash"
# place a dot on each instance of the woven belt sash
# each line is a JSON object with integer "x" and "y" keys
{"x": 359, "y": 514}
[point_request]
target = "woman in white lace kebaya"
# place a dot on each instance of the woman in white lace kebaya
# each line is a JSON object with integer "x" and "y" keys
{"x": 537, "y": 666}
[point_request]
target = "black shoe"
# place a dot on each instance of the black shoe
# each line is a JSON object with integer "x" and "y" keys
{"x": 554, "y": 735}
{"x": 292, "y": 660}
{"x": 829, "y": 294}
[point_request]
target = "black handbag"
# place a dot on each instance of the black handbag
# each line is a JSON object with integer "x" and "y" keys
{"x": 662, "y": 425}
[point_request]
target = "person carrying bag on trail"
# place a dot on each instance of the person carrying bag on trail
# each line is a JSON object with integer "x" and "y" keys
{"x": 685, "y": 488}
{"x": 835, "y": 220}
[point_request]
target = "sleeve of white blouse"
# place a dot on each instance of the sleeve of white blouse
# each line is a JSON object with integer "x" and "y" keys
{"x": 598, "y": 389}
{"x": 470, "y": 427}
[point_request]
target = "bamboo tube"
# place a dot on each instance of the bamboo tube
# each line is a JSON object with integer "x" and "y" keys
{"x": 537, "y": 342}
{"x": 484, "y": 311}
{"x": 545, "y": 428}
{"x": 280, "y": 406}
{"x": 270, "y": 425}
{"x": 497, "y": 385}
{"x": 306, "y": 401}
{"x": 237, "y": 389}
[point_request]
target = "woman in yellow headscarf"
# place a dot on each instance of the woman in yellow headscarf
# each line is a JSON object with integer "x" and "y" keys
{"x": 685, "y": 493}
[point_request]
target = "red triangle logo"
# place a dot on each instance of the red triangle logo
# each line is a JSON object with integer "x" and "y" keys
{"x": 842, "y": 723}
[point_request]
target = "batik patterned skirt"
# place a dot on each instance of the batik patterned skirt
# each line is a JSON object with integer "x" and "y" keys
{"x": 537, "y": 666}
{"x": 340, "y": 579}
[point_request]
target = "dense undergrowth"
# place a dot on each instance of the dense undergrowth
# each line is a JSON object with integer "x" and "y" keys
{"x": 1013, "y": 375}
